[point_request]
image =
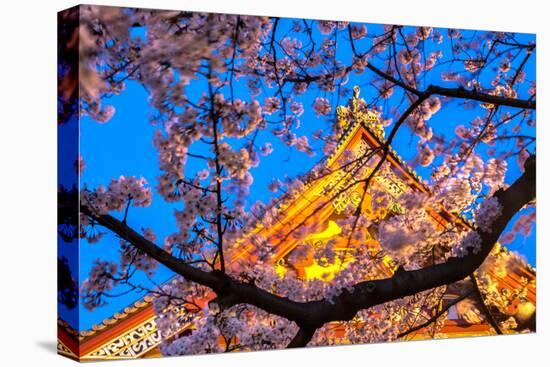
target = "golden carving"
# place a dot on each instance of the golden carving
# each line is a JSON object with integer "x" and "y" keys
{"x": 396, "y": 208}
{"x": 64, "y": 350}
{"x": 388, "y": 180}
{"x": 346, "y": 198}
{"x": 357, "y": 111}
{"x": 316, "y": 240}
{"x": 338, "y": 182}
{"x": 393, "y": 185}
{"x": 342, "y": 116}
{"x": 135, "y": 342}
{"x": 340, "y": 203}
{"x": 360, "y": 149}
{"x": 132, "y": 344}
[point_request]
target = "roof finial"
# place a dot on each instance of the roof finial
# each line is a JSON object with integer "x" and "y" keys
{"x": 356, "y": 91}
{"x": 357, "y": 111}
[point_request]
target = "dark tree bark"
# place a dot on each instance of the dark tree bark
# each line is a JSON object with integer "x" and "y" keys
{"x": 314, "y": 314}
{"x": 302, "y": 337}
{"x": 459, "y": 92}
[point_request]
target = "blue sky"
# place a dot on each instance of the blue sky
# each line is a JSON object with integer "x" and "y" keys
{"x": 123, "y": 146}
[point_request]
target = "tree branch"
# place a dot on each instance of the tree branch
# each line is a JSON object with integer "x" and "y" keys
{"x": 484, "y": 307}
{"x": 313, "y": 314}
{"x": 459, "y": 92}
{"x": 219, "y": 201}
{"x": 406, "y": 283}
{"x": 437, "y": 315}
{"x": 483, "y": 97}
{"x": 302, "y": 337}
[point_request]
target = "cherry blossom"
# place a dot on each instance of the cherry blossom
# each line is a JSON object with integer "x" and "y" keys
{"x": 228, "y": 91}
{"x": 486, "y": 214}
{"x": 118, "y": 194}
{"x": 321, "y": 106}
{"x": 99, "y": 281}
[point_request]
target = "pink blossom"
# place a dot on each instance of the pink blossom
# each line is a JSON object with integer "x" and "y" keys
{"x": 473, "y": 65}
{"x": 426, "y": 156}
{"x": 290, "y": 46}
{"x": 131, "y": 256}
{"x": 149, "y": 234}
{"x": 487, "y": 212}
{"x": 271, "y": 104}
{"x": 325, "y": 26}
{"x": 80, "y": 165}
{"x": 471, "y": 243}
{"x": 423, "y": 33}
{"x": 495, "y": 173}
{"x": 297, "y": 108}
{"x": 119, "y": 192}
{"x": 99, "y": 281}
{"x": 522, "y": 157}
{"x": 321, "y": 106}
{"x": 266, "y": 149}
{"x": 504, "y": 66}
{"x": 274, "y": 185}
{"x": 302, "y": 144}
{"x": 358, "y": 31}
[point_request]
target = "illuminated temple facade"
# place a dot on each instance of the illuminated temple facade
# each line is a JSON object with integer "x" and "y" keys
{"x": 132, "y": 333}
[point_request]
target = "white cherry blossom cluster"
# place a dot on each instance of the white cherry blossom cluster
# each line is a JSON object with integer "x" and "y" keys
{"x": 523, "y": 226}
{"x": 426, "y": 155}
{"x": 171, "y": 299}
{"x": 385, "y": 322}
{"x": 203, "y": 339}
{"x": 172, "y": 154}
{"x": 487, "y": 212}
{"x": 470, "y": 243}
{"x": 132, "y": 256}
{"x": 271, "y": 105}
{"x": 100, "y": 280}
{"x": 238, "y": 118}
{"x": 235, "y": 162}
{"x": 457, "y": 194}
{"x": 255, "y": 329}
{"x": 321, "y": 106}
{"x": 409, "y": 237}
{"x": 495, "y": 172}
{"x": 511, "y": 303}
{"x": 117, "y": 195}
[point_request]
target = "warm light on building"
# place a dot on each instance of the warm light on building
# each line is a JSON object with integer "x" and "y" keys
{"x": 132, "y": 333}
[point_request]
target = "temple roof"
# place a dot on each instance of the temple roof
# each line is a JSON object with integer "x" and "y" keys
{"x": 352, "y": 118}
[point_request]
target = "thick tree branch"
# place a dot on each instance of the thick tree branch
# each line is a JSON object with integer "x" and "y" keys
{"x": 302, "y": 337}
{"x": 312, "y": 315}
{"x": 229, "y": 291}
{"x": 483, "y": 97}
{"x": 406, "y": 283}
{"x": 459, "y": 92}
